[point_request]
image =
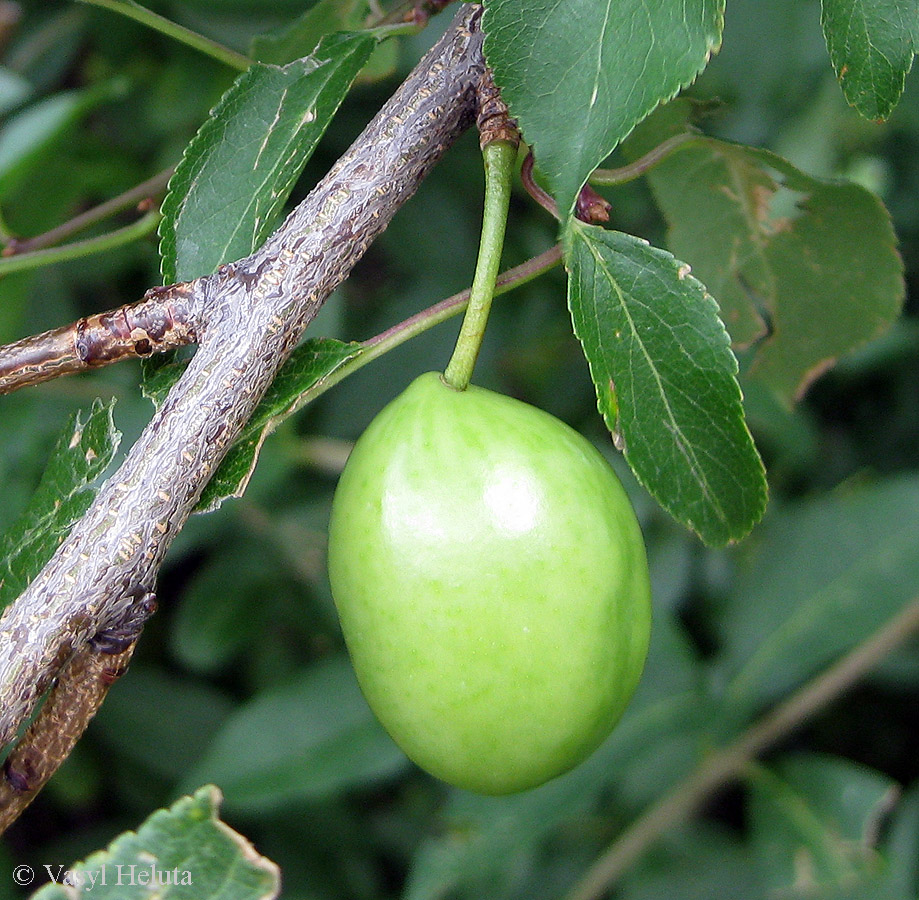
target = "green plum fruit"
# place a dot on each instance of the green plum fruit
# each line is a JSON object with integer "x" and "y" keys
{"x": 492, "y": 586}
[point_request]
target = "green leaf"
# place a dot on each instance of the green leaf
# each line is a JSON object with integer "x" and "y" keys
{"x": 871, "y": 44}
{"x": 83, "y": 451}
{"x": 187, "y": 844}
{"x": 822, "y": 577}
{"x": 666, "y": 381}
{"x": 806, "y": 266}
{"x": 607, "y": 64}
{"x": 222, "y": 606}
{"x": 816, "y": 814}
{"x": 236, "y": 174}
{"x": 306, "y": 740}
{"x": 304, "y": 372}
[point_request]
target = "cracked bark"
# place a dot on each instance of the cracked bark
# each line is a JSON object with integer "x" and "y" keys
{"x": 247, "y": 317}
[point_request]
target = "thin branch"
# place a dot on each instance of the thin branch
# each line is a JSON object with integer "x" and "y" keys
{"x": 143, "y": 191}
{"x": 177, "y": 32}
{"x": 78, "y": 249}
{"x": 644, "y": 163}
{"x": 728, "y": 764}
{"x": 159, "y": 322}
{"x": 248, "y": 317}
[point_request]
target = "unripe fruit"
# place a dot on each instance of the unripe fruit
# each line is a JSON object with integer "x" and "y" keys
{"x": 492, "y": 586}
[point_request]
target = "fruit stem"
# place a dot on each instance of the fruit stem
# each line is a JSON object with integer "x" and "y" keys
{"x": 499, "y": 158}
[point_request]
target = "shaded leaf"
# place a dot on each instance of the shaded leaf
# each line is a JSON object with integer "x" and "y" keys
{"x": 236, "y": 174}
{"x": 808, "y": 265}
{"x": 83, "y": 451}
{"x": 306, "y": 740}
{"x": 871, "y": 44}
{"x": 305, "y": 371}
{"x": 187, "y": 841}
{"x": 822, "y": 577}
{"x": 819, "y": 815}
{"x": 222, "y": 606}
{"x": 611, "y": 63}
{"x": 666, "y": 381}
{"x": 699, "y": 862}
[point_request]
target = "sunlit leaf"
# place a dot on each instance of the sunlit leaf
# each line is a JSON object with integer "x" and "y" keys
{"x": 184, "y": 851}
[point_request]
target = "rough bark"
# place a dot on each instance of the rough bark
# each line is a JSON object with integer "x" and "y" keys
{"x": 247, "y": 317}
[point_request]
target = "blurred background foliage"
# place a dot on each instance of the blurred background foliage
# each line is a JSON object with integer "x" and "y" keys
{"x": 241, "y": 678}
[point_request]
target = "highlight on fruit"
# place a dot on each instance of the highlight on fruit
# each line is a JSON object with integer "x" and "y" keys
{"x": 492, "y": 585}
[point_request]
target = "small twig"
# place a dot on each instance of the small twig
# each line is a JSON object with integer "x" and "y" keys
{"x": 138, "y": 13}
{"x": 143, "y": 191}
{"x": 78, "y": 249}
{"x": 534, "y": 190}
{"x": 643, "y": 163}
{"x": 159, "y": 322}
{"x": 728, "y": 764}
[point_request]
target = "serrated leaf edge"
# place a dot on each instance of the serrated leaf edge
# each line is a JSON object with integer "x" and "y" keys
{"x": 762, "y": 498}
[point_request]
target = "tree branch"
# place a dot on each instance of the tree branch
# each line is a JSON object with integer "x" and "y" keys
{"x": 247, "y": 317}
{"x": 159, "y": 322}
{"x": 144, "y": 191}
{"x": 80, "y": 689}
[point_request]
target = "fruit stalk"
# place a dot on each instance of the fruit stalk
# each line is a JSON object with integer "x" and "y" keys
{"x": 499, "y": 158}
